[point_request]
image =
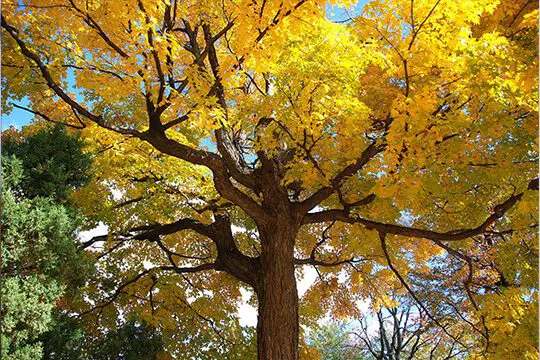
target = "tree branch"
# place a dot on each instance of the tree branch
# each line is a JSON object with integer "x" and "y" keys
{"x": 53, "y": 85}
{"x": 119, "y": 289}
{"x": 94, "y": 25}
{"x": 336, "y": 182}
{"x": 498, "y": 212}
{"x": 314, "y": 262}
{"x": 382, "y": 237}
{"x": 47, "y": 118}
{"x": 231, "y": 155}
{"x": 213, "y": 161}
{"x": 229, "y": 258}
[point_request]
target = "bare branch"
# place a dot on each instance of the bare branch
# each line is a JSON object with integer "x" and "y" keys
{"x": 382, "y": 237}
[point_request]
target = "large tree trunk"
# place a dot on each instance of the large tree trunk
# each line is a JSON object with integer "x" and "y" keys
{"x": 277, "y": 328}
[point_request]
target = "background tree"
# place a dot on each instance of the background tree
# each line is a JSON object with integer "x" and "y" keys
{"x": 132, "y": 341}
{"x": 53, "y": 162}
{"x": 40, "y": 256}
{"x": 333, "y": 341}
{"x": 398, "y": 330}
{"x": 69, "y": 339}
{"x": 397, "y": 148}
{"x": 404, "y": 331}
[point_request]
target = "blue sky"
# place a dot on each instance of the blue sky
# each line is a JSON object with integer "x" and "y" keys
{"x": 19, "y": 118}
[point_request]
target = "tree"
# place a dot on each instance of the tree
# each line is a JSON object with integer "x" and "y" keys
{"x": 333, "y": 341}
{"x": 68, "y": 339}
{"x": 132, "y": 341}
{"x": 398, "y": 330}
{"x": 54, "y": 161}
{"x": 396, "y": 145}
{"x": 404, "y": 331}
{"x": 40, "y": 256}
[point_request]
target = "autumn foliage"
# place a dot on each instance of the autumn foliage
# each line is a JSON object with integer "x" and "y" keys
{"x": 238, "y": 142}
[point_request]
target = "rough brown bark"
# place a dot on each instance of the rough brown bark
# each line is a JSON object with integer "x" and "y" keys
{"x": 277, "y": 328}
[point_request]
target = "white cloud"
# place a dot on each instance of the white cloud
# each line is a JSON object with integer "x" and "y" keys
{"x": 315, "y": 209}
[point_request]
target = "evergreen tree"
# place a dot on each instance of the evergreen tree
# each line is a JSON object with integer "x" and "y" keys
{"x": 40, "y": 255}
{"x": 53, "y": 162}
